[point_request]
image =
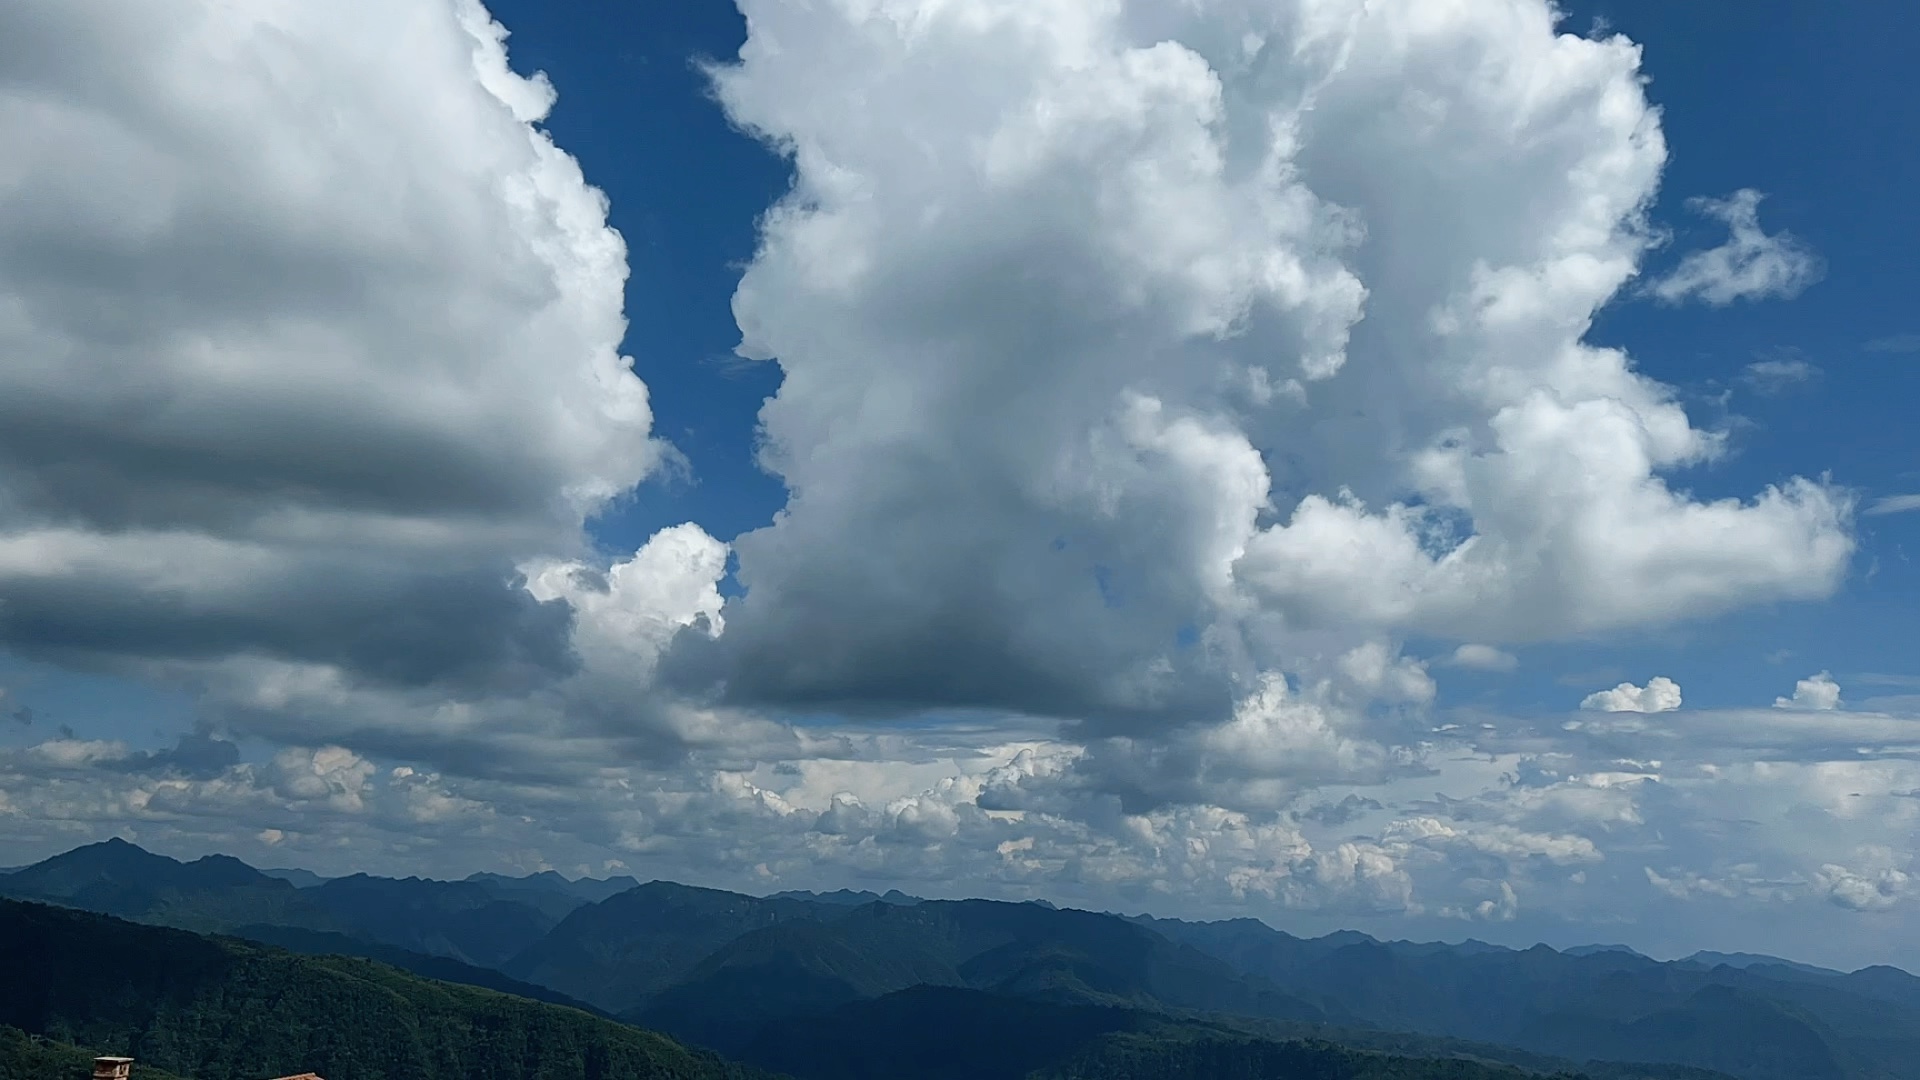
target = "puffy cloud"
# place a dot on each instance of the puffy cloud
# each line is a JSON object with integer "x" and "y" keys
{"x": 625, "y": 616}
{"x": 1661, "y": 694}
{"x": 1277, "y": 744}
{"x": 1131, "y": 352}
{"x": 331, "y": 774}
{"x": 1483, "y": 658}
{"x": 1874, "y": 889}
{"x": 1814, "y": 692}
{"x": 1503, "y": 906}
{"x": 285, "y": 359}
{"x": 1751, "y": 265}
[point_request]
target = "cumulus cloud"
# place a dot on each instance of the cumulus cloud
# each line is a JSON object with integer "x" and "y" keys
{"x": 1751, "y": 265}
{"x": 1817, "y": 692}
{"x": 1188, "y": 342}
{"x": 1277, "y": 744}
{"x": 627, "y": 614}
{"x": 1661, "y": 694}
{"x": 277, "y": 371}
{"x": 1877, "y": 885}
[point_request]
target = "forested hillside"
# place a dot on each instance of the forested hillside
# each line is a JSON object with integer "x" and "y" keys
{"x": 30, "y": 1057}
{"x": 221, "y": 1009}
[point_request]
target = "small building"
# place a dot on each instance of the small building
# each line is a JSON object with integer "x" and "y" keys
{"x": 121, "y": 1068}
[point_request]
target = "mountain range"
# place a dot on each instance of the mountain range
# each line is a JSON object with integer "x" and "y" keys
{"x": 791, "y": 982}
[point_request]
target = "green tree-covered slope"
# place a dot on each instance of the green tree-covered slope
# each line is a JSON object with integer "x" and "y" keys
{"x": 223, "y": 1009}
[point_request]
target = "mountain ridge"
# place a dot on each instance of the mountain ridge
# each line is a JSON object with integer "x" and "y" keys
{"x": 714, "y": 967}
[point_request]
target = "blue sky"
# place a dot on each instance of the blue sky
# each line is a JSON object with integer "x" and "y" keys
{"x": 352, "y": 485}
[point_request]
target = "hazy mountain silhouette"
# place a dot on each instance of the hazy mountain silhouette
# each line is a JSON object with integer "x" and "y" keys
{"x": 583, "y": 890}
{"x": 620, "y": 952}
{"x": 722, "y": 969}
{"x": 848, "y": 897}
{"x": 299, "y": 879}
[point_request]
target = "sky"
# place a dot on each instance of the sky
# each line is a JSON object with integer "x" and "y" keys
{"x": 1442, "y": 470}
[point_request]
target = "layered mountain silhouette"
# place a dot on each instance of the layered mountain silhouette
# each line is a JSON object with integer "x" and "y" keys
{"x": 750, "y": 976}
{"x": 224, "y": 1009}
{"x": 448, "y": 930}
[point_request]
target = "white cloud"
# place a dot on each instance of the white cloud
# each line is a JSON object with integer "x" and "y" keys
{"x": 625, "y": 616}
{"x": 1688, "y": 885}
{"x": 1894, "y": 343}
{"x": 1778, "y": 373}
{"x": 285, "y": 356}
{"x": 1661, "y": 694}
{"x": 1483, "y": 658}
{"x": 1496, "y": 839}
{"x": 1500, "y": 909}
{"x": 1142, "y": 331}
{"x": 1893, "y": 504}
{"x": 1751, "y": 265}
{"x": 1879, "y": 885}
{"x": 1818, "y": 692}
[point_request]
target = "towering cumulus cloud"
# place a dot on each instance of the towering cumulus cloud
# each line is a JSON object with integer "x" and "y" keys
{"x": 1136, "y": 348}
{"x": 309, "y": 337}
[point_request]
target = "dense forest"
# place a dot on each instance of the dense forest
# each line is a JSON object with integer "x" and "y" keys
{"x": 222, "y": 1009}
{"x": 33, "y": 1057}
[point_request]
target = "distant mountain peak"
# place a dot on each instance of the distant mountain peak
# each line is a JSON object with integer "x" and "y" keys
{"x": 1596, "y": 950}
{"x": 1743, "y": 961}
{"x": 849, "y": 897}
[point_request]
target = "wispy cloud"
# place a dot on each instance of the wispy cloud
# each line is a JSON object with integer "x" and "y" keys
{"x": 1893, "y": 504}
{"x": 1779, "y": 371}
{"x": 1894, "y": 343}
{"x": 1482, "y": 658}
{"x": 1751, "y": 265}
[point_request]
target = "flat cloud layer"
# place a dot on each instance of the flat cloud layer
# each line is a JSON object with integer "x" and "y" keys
{"x": 1153, "y": 372}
